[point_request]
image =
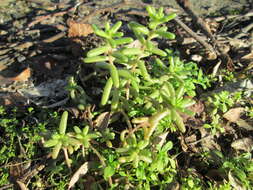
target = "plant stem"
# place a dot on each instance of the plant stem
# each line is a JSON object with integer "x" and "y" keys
{"x": 66, "y": 157}
{"x": 127, "y": 120}
{"x": 102, "y": 160}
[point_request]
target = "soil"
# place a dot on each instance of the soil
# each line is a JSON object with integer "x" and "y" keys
{"x": 26, "y": 30}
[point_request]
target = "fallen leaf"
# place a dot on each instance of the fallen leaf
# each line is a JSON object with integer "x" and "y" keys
{"x": 211, "y": 55}
{"x": 79, "y": 173}
{"x": 78, "y": 29}
{"x": 161, "y": 139}
{"x": 208, "y": 141}
{"x": 23, "y": 76}
{"x": 102, "y": 120}
{"x": 244, "y": 124}
{"x": 197, "y": 108}
{"x": 243, "y": 144}
{"x": 233, "y": 114}
{"x": 196, "y": 58}
{"x": 174, "y": 186}
{"x": 22, "y": 185}
{"x": 248, "y": 56}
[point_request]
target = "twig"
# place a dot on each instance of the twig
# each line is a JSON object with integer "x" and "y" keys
{"x": 33, "y": 172}
{"x": 39, "y": 19}
{"x": 203, "y": 138}
{"x": 238, "y": 17}
{"x": 195, "y": 36}
{"x": 54, "y": 38}
{"x": 244, "y": 31}
{"x": 56, "y": 104}
{"x": 36, "y": 169}
{"x": 185, "y": 4}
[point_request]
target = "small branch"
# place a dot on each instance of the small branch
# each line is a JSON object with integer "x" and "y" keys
{"x": 54, "y": 38}
{"x": 185, "y": 4}
{"x": 195, "y": 36}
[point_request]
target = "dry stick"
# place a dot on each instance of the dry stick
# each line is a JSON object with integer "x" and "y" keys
{"x": 194, "y": 35}
{"x": 54, "y": 38}
{"x": 35, "y": 170}
{"x": 61, "y": 13}
{"x": 185, "y": 4}
{"x": 244, "y": 31}
{"x": 237, "y": 17}
{"x": 39, "y": 19}
{"x": 30, "y": 174}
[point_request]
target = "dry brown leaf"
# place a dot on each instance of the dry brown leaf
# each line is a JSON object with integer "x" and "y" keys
{"x": 243, "y": 144}
{"x": 102, "y": 120}
{"x": 208, "y": 142}
{"x": 5, "y": 81}
{"x": 248, "y": 56}
{"x": 233, "y": 114}
{"x": 79, "y": 173}
{"x": 245, "y": 125}
{"x": 23, "y": 76}
{"x": 210, "y": 55}
{"x": 22, "y": 185}
{"x": 161, "y": 139}
{"x": 197, "y": 108}
{"x": 79, "y": 29}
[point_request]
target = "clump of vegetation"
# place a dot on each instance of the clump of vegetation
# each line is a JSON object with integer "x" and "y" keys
{"x": 130, "y": 141}
{"x": 218, "y": 104}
